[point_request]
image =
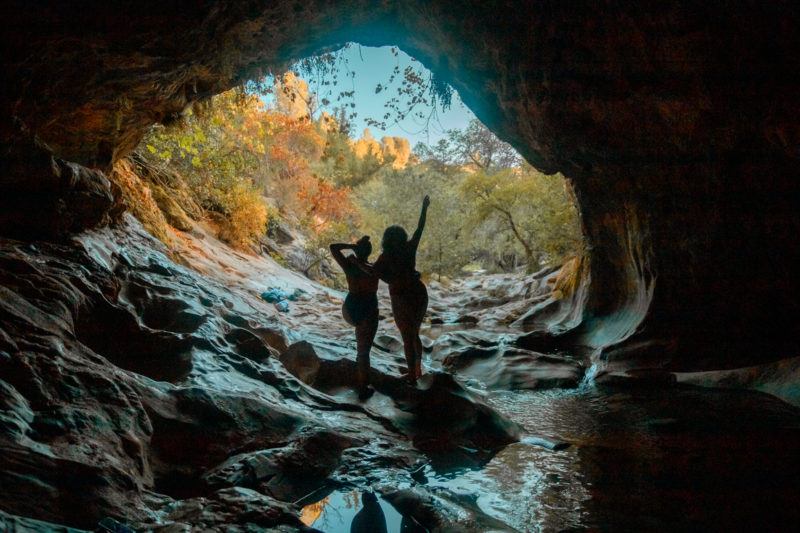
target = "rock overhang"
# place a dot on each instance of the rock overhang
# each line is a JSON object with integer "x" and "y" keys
{"x": 676, "y": 124}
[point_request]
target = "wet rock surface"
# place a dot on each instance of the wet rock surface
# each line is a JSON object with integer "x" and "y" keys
{"x": 129, "y": 382}
{"x": 169, "y": 397}
{"x": 234, "y": 509}
{"x": 664, "y": 116}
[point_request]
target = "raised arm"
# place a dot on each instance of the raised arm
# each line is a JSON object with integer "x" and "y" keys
{"x": 421, "y": 225}
{"x": 336, "y": 252}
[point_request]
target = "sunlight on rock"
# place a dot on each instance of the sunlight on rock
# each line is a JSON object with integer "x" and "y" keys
{"x": 394, "y": 266}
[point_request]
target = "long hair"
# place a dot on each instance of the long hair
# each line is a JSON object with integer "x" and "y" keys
{"x": 394, "y": 239}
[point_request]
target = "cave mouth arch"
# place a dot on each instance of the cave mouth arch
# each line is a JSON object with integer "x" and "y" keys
{"x": 360, "y": 101}
{"x": 659, "y": 124}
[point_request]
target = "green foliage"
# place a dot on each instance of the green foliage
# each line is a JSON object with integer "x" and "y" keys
{"x": 536, "y": 212}
{"x": 219, "y": 155}
{"x": 488, "y": 207}
{"x": 488, "y": 210}
{"x": 395, "y": 197}
{"x": 475, "y": 147}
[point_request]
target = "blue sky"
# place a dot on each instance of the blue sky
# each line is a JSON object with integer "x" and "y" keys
{"x": 373, "y": 66}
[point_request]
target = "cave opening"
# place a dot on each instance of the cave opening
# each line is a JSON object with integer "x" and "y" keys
{"x": 340, "y": 146}
{"x": 156, "y": 385}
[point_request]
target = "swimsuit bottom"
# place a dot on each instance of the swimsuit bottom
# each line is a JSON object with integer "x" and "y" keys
{"x": 360, "y": 307}
{"x": 408, "y": 287}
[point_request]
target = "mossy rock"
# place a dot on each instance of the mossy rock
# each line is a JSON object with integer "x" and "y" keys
{"x": 173, "y": 212}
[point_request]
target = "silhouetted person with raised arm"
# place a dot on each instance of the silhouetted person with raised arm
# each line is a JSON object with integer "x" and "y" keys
{"x": 397, "y": 267}
{"x": 360, "y": 307}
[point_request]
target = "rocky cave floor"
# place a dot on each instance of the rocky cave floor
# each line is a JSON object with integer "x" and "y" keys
{"x": 173, "y": 398}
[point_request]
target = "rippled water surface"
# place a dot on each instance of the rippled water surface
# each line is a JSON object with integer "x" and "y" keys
{"x": 640, "y": 459}
{"x": 644, "y": 459}
{"x": 526, "y": 485}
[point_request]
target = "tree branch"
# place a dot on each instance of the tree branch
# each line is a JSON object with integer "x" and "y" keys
{"x": 528, "y": 250}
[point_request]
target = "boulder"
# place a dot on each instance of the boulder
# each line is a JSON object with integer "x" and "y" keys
{"x": 302, "y": 361}
{"x": 44, "y": 197}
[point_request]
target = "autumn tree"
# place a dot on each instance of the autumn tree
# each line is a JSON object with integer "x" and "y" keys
{"x": 235, "y": 150}
{"x": 218, "y": 149}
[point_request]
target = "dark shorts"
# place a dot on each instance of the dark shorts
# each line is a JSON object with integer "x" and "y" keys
{"x": 360, "y": 307}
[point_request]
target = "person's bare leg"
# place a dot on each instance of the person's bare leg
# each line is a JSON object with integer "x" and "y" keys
{"x": 365, "y": 334}
{"x": 422, "y": 307}
{"x": 410, "y": 349}
{"x": 418, "y": 353}
{"x": 406, "y": 310}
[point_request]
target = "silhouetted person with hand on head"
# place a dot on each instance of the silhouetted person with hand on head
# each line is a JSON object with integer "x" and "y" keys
{"x": 370, "y": 519}
{"x": 360, "y": 308}
{"x": 397, "y": 267}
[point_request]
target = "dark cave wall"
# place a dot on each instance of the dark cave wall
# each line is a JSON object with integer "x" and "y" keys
{"x": 676, "y": 122}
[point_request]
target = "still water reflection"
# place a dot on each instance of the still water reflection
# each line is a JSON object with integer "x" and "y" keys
{"x": 644, "y": 459}
{"x": 351, "y": 511}
{"x": 640, "y": 460}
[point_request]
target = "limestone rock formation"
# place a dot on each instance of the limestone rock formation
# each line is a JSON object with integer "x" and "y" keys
{"x": 133, "y": 388}
{"x": 676, "y": 123}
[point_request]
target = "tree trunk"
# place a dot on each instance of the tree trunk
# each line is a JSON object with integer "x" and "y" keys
{"x": 529, "y": 255}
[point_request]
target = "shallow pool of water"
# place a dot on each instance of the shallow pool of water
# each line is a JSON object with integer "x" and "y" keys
{"x": 642, "y": 459}
{"x": 639, "y": 459}
{"x": 335, "y": 514}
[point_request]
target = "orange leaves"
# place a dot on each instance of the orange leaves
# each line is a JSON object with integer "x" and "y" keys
{"x": 296, "y": 147}
{"x": 299, "y": 136}
{"x": 324, "y": 203}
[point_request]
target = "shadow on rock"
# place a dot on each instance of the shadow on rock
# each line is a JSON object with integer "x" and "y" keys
{"x": 160, "y": 355}
{"x": 287, "y": 473}
{"x": 195, "y": 429}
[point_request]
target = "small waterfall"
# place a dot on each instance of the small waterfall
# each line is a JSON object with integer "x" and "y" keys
{"x": 591, "y": 373}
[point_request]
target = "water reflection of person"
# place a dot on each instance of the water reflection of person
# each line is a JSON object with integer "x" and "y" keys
{"x": 360, "y": 308}
{"x": 397, "y": 267}
{"x": 370, "y": 519}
